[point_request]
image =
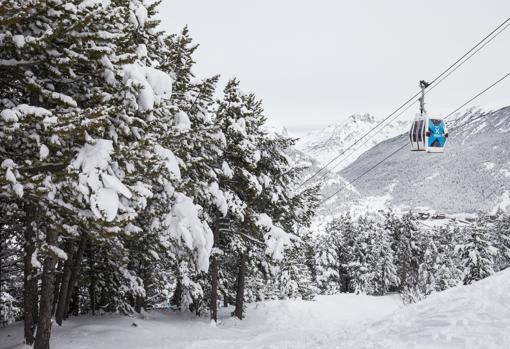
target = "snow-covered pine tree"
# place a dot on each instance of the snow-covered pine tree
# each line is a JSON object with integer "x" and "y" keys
{"x": 428, "y": 269}
{"x": 477, "y": 252}
{"x": 289, "y": 209}
{"x": 241, "y": 128}
{"x": 442, "y": 264}
{"x": 130, "y": 91}
{"x": 333, "y": 256}
{"x": 11, "y": 261}
{"x": 408, "y": 252}
{"x": 52, "y": 105}
{"x": 384, "y": 269}
{"x": 148, "y": 242}
{"x": 293, "y": 273}
{"x": 360, "y": 257}
{"x": 347, "y": 230}
{"x": 260, "y": 178}
{"x": 86, "y": 147}
{"x": 182, "y": 126}
{"x": 200, "y": 144}
{"x": 501, "y": 240}
{"x": 327, "y": 263}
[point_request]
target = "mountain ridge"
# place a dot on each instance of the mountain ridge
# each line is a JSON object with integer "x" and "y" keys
{"x": 473, "y": 173}
{"x": 326, "y": 143}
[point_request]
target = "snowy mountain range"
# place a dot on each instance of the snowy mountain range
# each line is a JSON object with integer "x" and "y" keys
{"x": 324, "y": 144}
{"x": 473, "y": 174}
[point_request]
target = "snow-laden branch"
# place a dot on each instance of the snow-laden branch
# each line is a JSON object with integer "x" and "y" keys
{"x": 101, "y": 188}
{"x": 276, "y": 239}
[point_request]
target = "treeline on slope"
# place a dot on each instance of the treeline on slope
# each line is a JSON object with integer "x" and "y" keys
{"x": 125, "y": 185}
{"x": 376, "y": 255}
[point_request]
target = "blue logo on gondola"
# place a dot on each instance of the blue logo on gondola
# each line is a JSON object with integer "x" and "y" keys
{"x": 437, "y": 137}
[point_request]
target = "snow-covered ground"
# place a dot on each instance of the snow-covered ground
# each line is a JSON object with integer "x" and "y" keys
{"x": 464, "y": 317}
{"x": 476, "y": 316}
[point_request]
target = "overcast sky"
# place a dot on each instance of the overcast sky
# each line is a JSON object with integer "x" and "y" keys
{"x": 314, "y": 63}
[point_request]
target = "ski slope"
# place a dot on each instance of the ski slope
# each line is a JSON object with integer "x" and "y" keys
{"x": 475, "y": 316}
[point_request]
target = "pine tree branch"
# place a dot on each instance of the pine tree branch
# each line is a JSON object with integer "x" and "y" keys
{"x": 44, "y": 167}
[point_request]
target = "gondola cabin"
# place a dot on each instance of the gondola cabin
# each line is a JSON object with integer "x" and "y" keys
{"x": 428, "y": 134}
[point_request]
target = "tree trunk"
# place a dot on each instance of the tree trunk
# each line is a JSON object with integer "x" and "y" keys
{"x": 74, "y": 305}
{"x": 238, "y": 311}
{"x": 139, "y": 303}
{"x": 340, "y": 279}
{"x": 64, "y": 285}
{"x": 42, "y": 339}
{"x": 92, "y": 275}
{"x": 176, "y": 298}
{"x": 383, "y": 280}
{"x": 30, "y": 309}
{"x": 58, "y": 284}
{"x": 225, "y": 299}
{"x": 75, "y": 270}
{"x": 214, "y": 273}
{"x": 214, "y": 289}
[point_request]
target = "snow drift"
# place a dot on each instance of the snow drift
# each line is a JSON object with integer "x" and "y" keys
{"x": 474, "y": 316}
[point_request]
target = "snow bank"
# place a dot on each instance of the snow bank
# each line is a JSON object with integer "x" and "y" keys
{"x": 474, "y": 316}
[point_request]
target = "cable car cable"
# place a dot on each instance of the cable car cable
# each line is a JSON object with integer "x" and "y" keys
{"x": 410, "y": 105}
{"x": 474, "y": 48}
{"x": 405, "y": 145}
{"x": 464, "y": 60}
{"x": 362, "y": 144}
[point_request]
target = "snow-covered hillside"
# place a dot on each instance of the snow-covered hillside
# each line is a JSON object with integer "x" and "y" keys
{"x": 324, "y": 144}
{"x": 475, "y": 316}
{"x": 473, "y": 174}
